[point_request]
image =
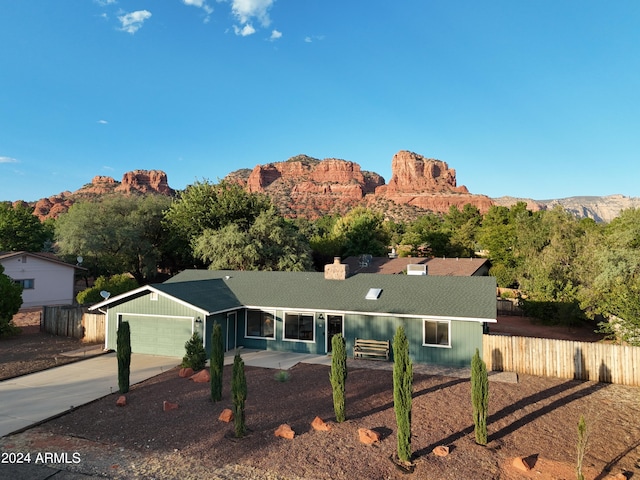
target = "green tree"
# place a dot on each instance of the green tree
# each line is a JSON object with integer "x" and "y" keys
{"x": 239, "y": 395}
{"x": 123, "y": 354}
{"x": 462, "y": 226}
{"x": 269, "y": 243}
{"x": 498, "y": 235}
{"x": 208, "y": 206}
{"x": 426, "y": 236}
{"x": 195, "y": 356}
{"x": 338, "y": 375}
{"x": 119, "y": 234}
{"x": 10, "y": 303}
{"x": 216, "y": 363}
{"x": 115, "y": 285}
{"x": 402, "y": 392}
{"x": 611, "y": 277}
{"x": 479, "y": 397}
{"x": 361, "y": 231}
{"x": 20, "y": 230}
{"x": 549, "y": 246}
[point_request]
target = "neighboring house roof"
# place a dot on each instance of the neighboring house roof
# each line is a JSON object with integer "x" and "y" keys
{"x": 457, "y": 267}
{"x": 49, "y": 257}
{"x": 465, "y": 298}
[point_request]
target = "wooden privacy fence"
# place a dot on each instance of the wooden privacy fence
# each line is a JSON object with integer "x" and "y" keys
{"x": 72, "y": 321}
{"x": 508, "y": 307}
{"x": 599, "y": 362}
{"x": 94, "y": 325}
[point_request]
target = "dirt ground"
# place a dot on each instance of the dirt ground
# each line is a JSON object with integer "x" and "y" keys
{"x": 535, "y": 419}
{"x": 32, "y": 350}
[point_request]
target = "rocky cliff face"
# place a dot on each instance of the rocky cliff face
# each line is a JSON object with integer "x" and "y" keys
{"x": 308, "y": 187}
{"x": 145, "y": 181}
{"x": 137, "y": 181}
{"x": 428, "y": 184}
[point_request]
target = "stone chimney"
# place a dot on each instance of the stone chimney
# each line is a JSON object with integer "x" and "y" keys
{"x": 336, "y": 270}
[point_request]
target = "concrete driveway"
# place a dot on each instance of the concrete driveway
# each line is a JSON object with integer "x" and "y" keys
{"x": 30, "y": 399}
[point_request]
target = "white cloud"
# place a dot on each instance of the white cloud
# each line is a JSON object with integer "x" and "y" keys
{"x": 102, "y": 122}
{"x": 132, "y": 22}
{"x": 313, "y": 38}
{"x": 244, "y": 31}
{"x": 104, "y": 3}
{"x": 8, "y": 160}
{"x": 208, "y": 10}
{"x": 275, "y": 34}
{"x": 246, "y": 10}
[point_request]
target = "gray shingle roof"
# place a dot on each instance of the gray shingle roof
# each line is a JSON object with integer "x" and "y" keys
{"x": 218, "y": 290}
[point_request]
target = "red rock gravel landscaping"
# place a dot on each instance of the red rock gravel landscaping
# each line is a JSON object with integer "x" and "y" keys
{"x": 532, "y": 429}
{"x": 535, "y": 419}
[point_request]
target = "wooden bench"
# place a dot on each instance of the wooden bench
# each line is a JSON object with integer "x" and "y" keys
{"x": 374, "y": 349}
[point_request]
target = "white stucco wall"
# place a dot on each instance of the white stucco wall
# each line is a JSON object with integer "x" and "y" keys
{"x": 53, "y": 282}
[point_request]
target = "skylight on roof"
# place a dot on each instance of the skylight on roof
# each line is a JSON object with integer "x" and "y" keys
{"x": 373, "y": 293}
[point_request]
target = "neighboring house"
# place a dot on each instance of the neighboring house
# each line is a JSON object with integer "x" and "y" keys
{"x": 301, "y": 311}
{"x": 45, "y": 279}
{"x": 457, "y": 267}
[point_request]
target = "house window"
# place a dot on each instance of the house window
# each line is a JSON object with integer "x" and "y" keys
{"x": 153, "y": 296}
{"x": 298, "y": 326}
{"x": 261, "y": 324}
{"x": 26, "y": 284}
{"x": 436, "y": 333}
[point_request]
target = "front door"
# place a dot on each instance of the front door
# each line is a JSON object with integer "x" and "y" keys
{"x": 232, "y": 326}
{"x": 334, "y": 327}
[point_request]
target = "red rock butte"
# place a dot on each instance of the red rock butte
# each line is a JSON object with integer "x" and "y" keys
{"x": 304, "y": 186}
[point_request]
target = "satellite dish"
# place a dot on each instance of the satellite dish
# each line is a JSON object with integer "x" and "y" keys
{"x": 79, "y": 259}
{"x": 104, "y": 294}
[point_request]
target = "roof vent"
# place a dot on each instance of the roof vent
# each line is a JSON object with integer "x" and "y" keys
{"x": 373, "y": 293}
{"x": 416, "y": 269}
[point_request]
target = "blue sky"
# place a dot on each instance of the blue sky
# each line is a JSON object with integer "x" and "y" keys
{"x": 525, "y": 98}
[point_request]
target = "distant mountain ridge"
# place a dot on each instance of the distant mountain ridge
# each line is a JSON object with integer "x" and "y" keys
{"x": 308, "y": 187}
{"x": 600, "y": 209}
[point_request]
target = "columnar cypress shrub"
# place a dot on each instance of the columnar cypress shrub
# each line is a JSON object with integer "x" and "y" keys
{"x": 216, "y": 362}
{"x": 123, "y": 354}
{"x": 239, "y": 395}
{"x": 402, "y": 391}
{"x": 338, "y": 375}
{"x": 479, "y": 397}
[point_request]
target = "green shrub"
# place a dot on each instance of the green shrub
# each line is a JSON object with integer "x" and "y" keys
{"x": 338, "y": 375}
{"x": 402, "y": 391}
{"x": 196, "y": 355}
{"x": 239, "y": 395}
{"x": 479, "y": 397}
{"x": 115, "y": 285}
{"x": 583, "y": 435}
{"x": 282, "y": 376}
{"x": 123, "y": 354}
{"x": 10, "y": 303}
{"x": 216, "y": 363}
